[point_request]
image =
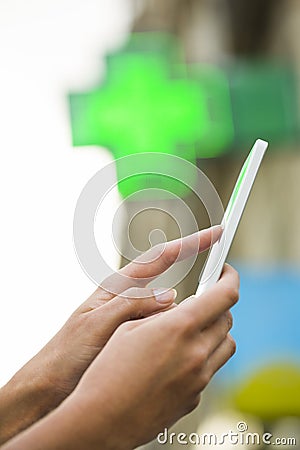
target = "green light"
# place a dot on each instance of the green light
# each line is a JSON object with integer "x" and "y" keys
{"x": 238, "y": 185}
{"x": 141, "y": 110}
{"x": 149, "y": 103}
{"x": 217, "y": 131}
{"x": 264, "y": 101}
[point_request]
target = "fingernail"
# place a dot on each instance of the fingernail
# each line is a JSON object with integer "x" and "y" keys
{"x": 217, "y": 228}
{"x": 164, "y": 295}
{"x": 222, "y": 225}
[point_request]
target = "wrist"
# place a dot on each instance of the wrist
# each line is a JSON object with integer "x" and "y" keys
{"x": 26, "y": 398}
{"x": 96, "y": 422}
{"x": 75, "y": 425}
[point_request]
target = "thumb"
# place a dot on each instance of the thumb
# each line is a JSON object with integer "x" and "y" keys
{"x": 135, "y": 303}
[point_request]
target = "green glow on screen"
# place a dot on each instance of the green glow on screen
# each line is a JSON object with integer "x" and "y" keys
{"x": 238, "y": 184}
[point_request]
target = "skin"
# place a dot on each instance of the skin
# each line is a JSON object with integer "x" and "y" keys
{"x": 125, "y": 381}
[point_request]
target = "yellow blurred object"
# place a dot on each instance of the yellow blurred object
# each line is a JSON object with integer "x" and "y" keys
{"x": 272, "y": 392}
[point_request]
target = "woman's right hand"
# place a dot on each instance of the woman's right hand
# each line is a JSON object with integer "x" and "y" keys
{"x": 152, "y": 371}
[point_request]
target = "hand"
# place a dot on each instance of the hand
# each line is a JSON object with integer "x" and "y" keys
{"x": 150, "y": 373}
{"x": 71, "y": 351}
{"x": 55, "y": 371}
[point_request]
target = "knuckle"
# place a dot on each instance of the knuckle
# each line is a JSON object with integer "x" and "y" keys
{"x": 195, "y": 362}
{"x": 131, "y": 300}
{"x": 174, "y": 329}
{"x": 188, "y": 321}
{"x": 129, "y": 293}
{"x": 232, "y": 270}
{"x": 204, "y": 379}
{"x": 183, "y": 327}
{"x": 126, "y": 303}
{"x": 232, "y": 344}
{"x": 167, "y": 254}
{"x": 202, "y": 355}
{"x": 232, "y": 294}
{"x": 229, "y": 320}
{"x": 157, "y": 251}
{"x": 193, "y": 403}
{"x": 135, "y": 293}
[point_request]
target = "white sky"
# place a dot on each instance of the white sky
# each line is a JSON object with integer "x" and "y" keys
{"x": 47, "y": 47}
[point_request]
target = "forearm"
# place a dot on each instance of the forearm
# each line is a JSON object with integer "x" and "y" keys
{"x": 26, "y": 398}
{"x": 72, "y": 426}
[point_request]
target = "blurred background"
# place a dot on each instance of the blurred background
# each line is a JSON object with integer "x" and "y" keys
{"x": 83, "y": 83}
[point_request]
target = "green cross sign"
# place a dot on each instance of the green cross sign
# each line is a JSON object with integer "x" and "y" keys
{"x": 147, "y": 103}
{"x": 138, "y": 109}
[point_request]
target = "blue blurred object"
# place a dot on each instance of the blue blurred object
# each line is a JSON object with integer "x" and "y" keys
{"x": 264, "y": 375}
{"x": 266, "y": 319}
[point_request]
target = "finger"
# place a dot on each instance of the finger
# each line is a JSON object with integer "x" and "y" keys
{"x": 134, "y": 323}
{"x": 158, "y": 259}
{"x": 212, "y": 336}
{"x": 135, "y": 303}
{"x": 156, "y": 314}
{"x": 221, "y": 355}
{"x": 205, "y": 309}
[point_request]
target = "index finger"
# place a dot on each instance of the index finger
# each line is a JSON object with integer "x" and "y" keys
{"x": 159, "y": 258}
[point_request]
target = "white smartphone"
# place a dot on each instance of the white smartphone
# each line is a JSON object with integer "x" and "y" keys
{"x": 232, "y": 216}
